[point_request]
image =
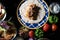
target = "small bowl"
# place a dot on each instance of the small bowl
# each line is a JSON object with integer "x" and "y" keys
{"x": 2, "y": 12}
{"x": 7, "y": 30}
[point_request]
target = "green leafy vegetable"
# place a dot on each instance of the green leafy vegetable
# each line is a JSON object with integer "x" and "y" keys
{"x": 39, "y": 33}
{"x": 53, "y": 19}
{"x": 2, "y": 29}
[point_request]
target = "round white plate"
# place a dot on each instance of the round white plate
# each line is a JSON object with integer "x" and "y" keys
{"x": 37, "y": 24}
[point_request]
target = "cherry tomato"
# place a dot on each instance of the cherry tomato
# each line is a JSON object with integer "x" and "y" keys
{"x": 31, "y": 34}
{"x": 46, "y": 27}
{"x": 54, "y": 27}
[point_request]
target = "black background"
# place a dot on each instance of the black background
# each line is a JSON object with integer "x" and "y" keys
{"x": 11, "y": 8}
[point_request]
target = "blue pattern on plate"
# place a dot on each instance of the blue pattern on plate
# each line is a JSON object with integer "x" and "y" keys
{"x": 47, "y": 14}
{"x": 19, "y": 14}
{"x": 41, "y": 23}
{"x": 44, "y": 4}
{"x": 46, "y": 10}
{"x": 35, "y": 25}
{"x": 40, "y": 0}
{"x": 27, "y": 24}
{"x": 31, "y": 26}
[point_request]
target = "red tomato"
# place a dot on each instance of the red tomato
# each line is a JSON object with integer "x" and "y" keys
{"x": 31, "y": 33}
{"x": 54, "y": 27}
{"x": 46, "y": 27}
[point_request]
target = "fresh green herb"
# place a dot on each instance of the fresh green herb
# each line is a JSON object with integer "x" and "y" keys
{"x": 39, "y": 33}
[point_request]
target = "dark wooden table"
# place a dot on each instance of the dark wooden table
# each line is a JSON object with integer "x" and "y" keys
{"x": 11, "y": 8}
